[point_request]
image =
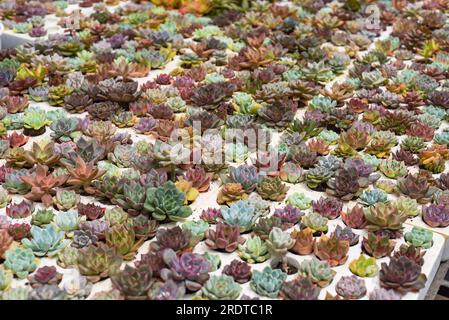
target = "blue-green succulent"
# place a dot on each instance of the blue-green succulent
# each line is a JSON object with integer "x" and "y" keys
{"x": 45, "y": 241}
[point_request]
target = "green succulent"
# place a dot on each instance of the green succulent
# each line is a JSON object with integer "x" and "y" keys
{"x": 318, "y": 271}
{"x": 115, "y": 216}
{"x": 322, "y": 103}
{"x": 57, "y": 94}
{"x": 214, "y": 260}
{"x": 279, "y": 242}
{"x": 66, "y": 199}
{"x": 254, "y": 250}
{"x": 123, "y": 240}
{"x": 95, "y": 262}
{"x": 407, "y": 206}
{"x": 413, "y": 144}
{"x": 67, "y": 221}
{"x": 5, "y": 279}
{"x": 393, "y": 169}
{"x": 221, "y": 287}
{"x": 42, "y": 217}
{"x": 68, "y": 257}
{"x": 267, "y": 282}
{"x": 372, "y": 196}
{"x": 239, "y": 213}
{"x": 45, "y": 241}
{"x": 167, "y": 203}
{"x": 299, "y": 200}
{"x": 318, "y": 176}
{"x": 20, "y": 261}
{"x": 5, "y": 198}
{"x": 35, "y": 119}
{"x": 419, "y": 237}
{"x": 329, "y": 136}
{"x": 364, "y": 266}
{"x": 19, "y": 293}
{"x": 315, "y": 221}
{"x": 244, "y": 103}
{"x": 197, "y": 228}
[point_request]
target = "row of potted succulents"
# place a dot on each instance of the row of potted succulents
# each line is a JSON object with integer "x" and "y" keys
{"x": 89, "y": 176}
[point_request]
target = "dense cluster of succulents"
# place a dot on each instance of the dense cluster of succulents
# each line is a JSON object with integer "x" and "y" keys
{"x": 101, "y": 155}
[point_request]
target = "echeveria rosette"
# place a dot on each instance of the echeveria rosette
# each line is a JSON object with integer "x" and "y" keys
{"x": 436, "y": 215}
{"x": 330, "y": 208}
{"x": 239, "y": 213}
{"x": 239, "y": 270}
{"x": 351, "y": 287}
{"x": 419, "y": 237}
{"x": 364, "y": 266}
{"x": 246, "y": 175}
{"x": 221, "y": 287}
{"x": 45, "y": 241}
{"x": 318, "y": 271}
{"x": 402, "y": 275}
{"x": 267, "y": 282}
{"x": 289, "y": 215}
{"x": 255, "y": 250}
{"x": 20, "y": 261}
{"x": 299, "y": 200}
{"x": 192, "y": 268}
{"x": 301, "y": 288}
{"x": 167, "y": 203}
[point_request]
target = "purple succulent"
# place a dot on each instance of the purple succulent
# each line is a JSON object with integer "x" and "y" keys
{"x": 239, "y": 270}
{"x": 97, "y": 228}
{"x": 211, "y": 215}
{"x": 315, "y": 116}
{"x": 37, "y": 32}
{"x": 330, "y": 208}
{"x": 384, "y": 294}
{"x": 117, "y": 40}
{"x": 145, "y": 125}
{"x": 351, "y": 287}
{"x": 436, "y": 215}
{"x": 362, "y": 168}
{"x": 289, "y": 215}
{"x": 154, "y": 178}
{"x": 192, "y": 268}
{"x": 363, "y": 126}
{"x": 170, "y": 290}
{"x": 345, "y": 234}
{"x": 246, "y": 175}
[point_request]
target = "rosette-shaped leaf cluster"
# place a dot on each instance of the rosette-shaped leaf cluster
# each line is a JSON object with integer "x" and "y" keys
{"x": 20, "y": 261}
{"x": 354, "y": 218}
{"x": 332, "y": 250}
{"x": 239, "y": 270}
{"x": 316, "y": 222}
{"x": 330, "y": 208}
{"x": 267, "y": 282}
{"x": 45, "y": 242}
{"x": 411, "y": 252}
{"x": 241, "y": 214}
{"x": 225, "y": 237}
{"x": 351, "y": 287}
{"x": 191, "y": 268}
{"x": 318, "y": 271}
{"x": 46, "y": 275}
{"x": 385, "y": 218}
{"x": 221, "y": 287}
{"x": 19, "y": 210}
{"x": 279, "y": 242}
{"x": 255, "y": 250}
{"x": 364, "y": 266}
{"x": 378, "y": 245}
{"x": 133, "y": 282}
{"x": 174, "y": 238}
{"x": 246, "y": 175}
{"x": 289, "y": 215}
{"x": 167, "y": 203}
{"x": 230, "y": 193}
{"x": 304, "y": 241}
{"x": 300, "y": 289}
{"x": 345, "y": 234}
{"x": 95, "y": 262}
{"x": 436, "y": 215}
{"x": 419, "y": 237}
{"x": 345, "y": 185}
{"x": 272, "y": 188}
{"x": 384, "y": 294}
{"x": 402, "y": 275}
{"x": 123, "y": 240}
{"x": 416, "y": 187}
{"x": 299, "y": 200}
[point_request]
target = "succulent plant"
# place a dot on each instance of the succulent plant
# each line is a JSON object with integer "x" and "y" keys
{"x": 166, "y": 202}
{"x": 384, "y": 294}
{"x": 385, "y": 218}
{"x": 436, "y": 215}
{"x": 419, "y": 237}
{"x": 82, "y": 174}
{"x": 14, "y": 184}
{"x": 175, "y": 238}
{"x": 402, "y": 275}
{"x": 46, "y": 275}
{"x": 230, "y": 193}
{"x": 123, "y": 240}
{"x": 304, "y": 241}
{"x": 191, "y": 268}
{"x": 316, "y": 222}
{"x": 329, "y": 208}
{"x": 332, "y": 250}
{"x": 45, "y": 242}
{"x": 354, "y": 218}
{"x": 246, "y": 175}
{"x": 66, "y": 199}
{"x": 345, "y": 234}
{"x": 67, "y": 221}
{"x": 372, "y": 197}
{"x": 225, "y": 237}
{"x": 299, "y": 200}
{"x": 416, "y": 187}
{"x": 364, "y": 266}
{"x": 19, "y": 210}
{"x": 20, "y": 261}
{"x": 197, "y": 228}
{"x": 6, "y": 277}
{"x": 19, "y": 231}
{"x": 411, "y": 252}
{"x": 272, "y": 188}
{"x": 317, "y": 177}
{"x": 5, "y": 241}
{"x": 95, "y": 262}
{"x": 351, "y": 287}
{"x": 289, "y": 216}
{"x": 318, "y": 271}
{"x": 378, "y": 245}
{"x": 255, "y": 250}
{"x": 221, "y": 287}
{"x": 239, "y": 270}
{"x": 300, "y": 289}
{"x": 267, "y": 282}
{"x": 407, "y": 206}
{"x": 133, "y": 282}
{"x": 239, "y": 213}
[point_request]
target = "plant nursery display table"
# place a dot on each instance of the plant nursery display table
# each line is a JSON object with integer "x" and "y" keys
{"x": 223, "y": 150}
